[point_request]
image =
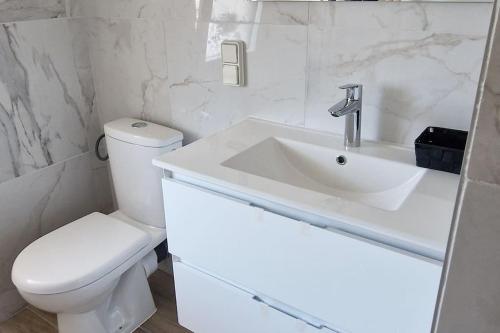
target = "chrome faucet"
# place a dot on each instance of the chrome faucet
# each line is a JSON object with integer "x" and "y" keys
{"x": 351, "y": 108}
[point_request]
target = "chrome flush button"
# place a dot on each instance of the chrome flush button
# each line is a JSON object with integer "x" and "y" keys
{"x": 139, "y": 124}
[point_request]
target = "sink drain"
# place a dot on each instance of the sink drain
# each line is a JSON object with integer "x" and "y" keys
{"x": 341, "y": 160}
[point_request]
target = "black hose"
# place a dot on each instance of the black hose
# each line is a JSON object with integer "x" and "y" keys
{"x": 97, "y": 152}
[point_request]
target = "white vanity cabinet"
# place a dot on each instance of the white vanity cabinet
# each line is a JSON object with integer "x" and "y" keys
{"x": 349, "y": 284}
{"x": 208, "y": 305}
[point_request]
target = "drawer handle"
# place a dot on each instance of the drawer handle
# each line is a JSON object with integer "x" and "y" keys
{"x": 258, "y": 299}
{"x": 287, "y": 313}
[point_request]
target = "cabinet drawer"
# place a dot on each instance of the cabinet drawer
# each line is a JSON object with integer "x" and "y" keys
{"x": 208, "y": 305}
{"x": 355, "y": 285}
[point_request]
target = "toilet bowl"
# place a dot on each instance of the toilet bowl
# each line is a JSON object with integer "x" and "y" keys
{"x": 93, "y": 272}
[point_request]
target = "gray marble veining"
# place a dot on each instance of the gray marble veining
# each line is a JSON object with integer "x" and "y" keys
{"x": 47, "y": 119}
{"x": 45, "y": 95}
{"x": 159, "y": 60}
{"x": 130, "y": 69}
{"x": 414, "y": 75}
{"x": 38, "y": 203}
{"x": 228, "y": 11}
{"x": 437, "y": 17}
{"x": 16, "y": 81}
{"x": 275, "y": 89}
{"x": 420, "y": 63}
{"x": 21, "y": 10}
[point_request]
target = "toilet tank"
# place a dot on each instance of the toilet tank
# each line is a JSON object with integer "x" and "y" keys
{"x": 132, "y": 144}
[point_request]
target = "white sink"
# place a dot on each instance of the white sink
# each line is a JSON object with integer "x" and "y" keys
{"x": 369, "y": 180}
{"x": 379, "y": 194}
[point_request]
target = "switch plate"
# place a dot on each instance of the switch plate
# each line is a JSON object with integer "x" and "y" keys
{"x": 230, "y": 54}
{"x": 233, "y": 63}
{"x": 231, "y": 75}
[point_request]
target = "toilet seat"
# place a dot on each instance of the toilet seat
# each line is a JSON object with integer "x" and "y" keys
{"x": 77, "y": 254}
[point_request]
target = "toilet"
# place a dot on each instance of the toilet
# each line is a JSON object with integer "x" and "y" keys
{"x": 93, "y": 272}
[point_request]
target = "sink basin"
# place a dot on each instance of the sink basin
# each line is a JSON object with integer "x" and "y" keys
{"x": 379, "y": 194}
{"x": 369, "y": 180}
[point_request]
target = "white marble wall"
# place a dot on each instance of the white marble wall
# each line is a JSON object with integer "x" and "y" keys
{"x": 470, "y": 296}
{"x": 159, "y": 60}
{"x": 48, "y": 174}
{"x": 38, "y": 203}
{"x": 20, "y": 10}
{"x": 165, "y": 65}
{"x": 419, "y": 63}
{"x": 45, "y": 105}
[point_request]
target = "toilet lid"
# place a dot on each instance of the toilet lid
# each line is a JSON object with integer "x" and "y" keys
{"x": 76, "y": 254}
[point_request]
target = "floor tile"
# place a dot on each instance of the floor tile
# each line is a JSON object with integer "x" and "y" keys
{"x": 47, "y": 316}
{"x": 164, "y": 327}
{"x": 33, "y": 320}
{"x": 165, "y": 319}
{"x": 162, "y": 284}
{"x": 26, "y": 321}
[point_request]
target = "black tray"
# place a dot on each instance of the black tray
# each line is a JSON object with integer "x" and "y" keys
{"x": 441, "y": 149}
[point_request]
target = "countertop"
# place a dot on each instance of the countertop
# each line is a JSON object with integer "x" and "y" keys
{"x": 421, "y": 224}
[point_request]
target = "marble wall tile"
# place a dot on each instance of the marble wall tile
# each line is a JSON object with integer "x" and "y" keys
{"x": 103, "y": 190}
{"x": 236, "y": 11}
{"x": 420, "y": 64}
{"x": 81, "y": 8}
{"x": 45, "y": 95}
{"x": 38, "y": 203}
{"x": 79, "y": 30}
{"x": 243, "y": 11}
{"x": 485, "y": 157}
{"x": 414, "y": 76}
{"x": 437, "y": 17}
{"x": 47, "y": 125}
{"x": 130, "y": 69}
{"x": 21, "y": 10}
{"x": 471, "y": 301}
{"x": 275, "y": 89}
{"x": 469, "y": 297}
{"x": 10, "y": 303}
{"x": 75, "y": 195}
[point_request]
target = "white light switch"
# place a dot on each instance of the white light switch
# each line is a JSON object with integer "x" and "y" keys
{"x": 233, "y": 63}
{"x": 231, "y": 75}
{"x": 230, "y": 54}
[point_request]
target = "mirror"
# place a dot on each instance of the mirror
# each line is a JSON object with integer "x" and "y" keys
{"x": 472, "y": 1}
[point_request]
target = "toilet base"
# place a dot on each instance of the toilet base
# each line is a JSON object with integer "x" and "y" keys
{"x": 128, "y": 306}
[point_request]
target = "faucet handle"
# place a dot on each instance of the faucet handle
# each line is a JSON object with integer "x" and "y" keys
{"x": 353, "y": 90}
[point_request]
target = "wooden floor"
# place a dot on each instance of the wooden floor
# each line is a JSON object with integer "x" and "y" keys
{"x": 32, "y": 320}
